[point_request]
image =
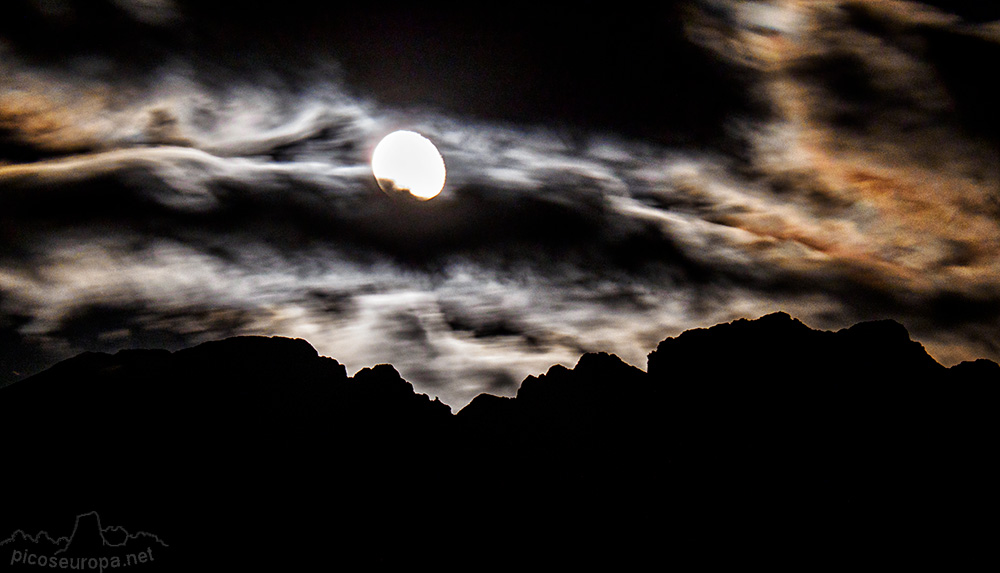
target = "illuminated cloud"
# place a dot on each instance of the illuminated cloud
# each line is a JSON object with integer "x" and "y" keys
{"x": 857, "y": 178}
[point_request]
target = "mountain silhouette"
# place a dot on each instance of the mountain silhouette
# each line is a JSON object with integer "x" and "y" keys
{"x": 89, "y": 545}
{"x": 756, "y": 441}
{"x": 87, "y": 538}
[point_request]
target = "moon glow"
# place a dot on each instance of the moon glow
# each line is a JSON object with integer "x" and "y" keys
{"x": 407, "y": 162}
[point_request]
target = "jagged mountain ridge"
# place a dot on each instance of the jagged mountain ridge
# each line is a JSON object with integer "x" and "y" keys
{"x": 753, "y": 422}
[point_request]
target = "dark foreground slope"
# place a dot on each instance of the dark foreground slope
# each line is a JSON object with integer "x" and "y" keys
{"x": 755, "y": 442}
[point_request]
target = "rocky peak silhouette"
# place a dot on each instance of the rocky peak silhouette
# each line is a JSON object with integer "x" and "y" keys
{"x": 87, "y": 538}
{"x": 259, "y": 451}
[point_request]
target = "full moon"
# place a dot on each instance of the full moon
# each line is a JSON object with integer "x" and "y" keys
{"x": 407, "y": 162}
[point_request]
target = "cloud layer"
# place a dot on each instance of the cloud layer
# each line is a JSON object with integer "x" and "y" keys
{"x": 844, "y": 167}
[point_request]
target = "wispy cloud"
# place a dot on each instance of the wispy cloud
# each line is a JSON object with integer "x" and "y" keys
{"x": 174, "y": 207}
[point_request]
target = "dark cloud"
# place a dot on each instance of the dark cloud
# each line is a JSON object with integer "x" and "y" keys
{"x": 969, "y": 10}
{"x": 502, "y": 383}
{"x": 337, "y": 303}
{"x": 632, "y": 71}
{"x": 629, "y": 71}
{"x": 19, "y": 356}
{"x": 53, "y": 30}
{"x": 13, "y": 149}
{"x": 173, "y": 171}
{"x": 949, "y": 87}
{"x": 958, "y": 58}
{"x": 108, "y": 327}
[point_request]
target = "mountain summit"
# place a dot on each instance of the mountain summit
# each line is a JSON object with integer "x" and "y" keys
{"x": 756, "y": 440}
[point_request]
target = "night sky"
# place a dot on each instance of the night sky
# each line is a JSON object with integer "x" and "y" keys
{"x": 177, "y": 171}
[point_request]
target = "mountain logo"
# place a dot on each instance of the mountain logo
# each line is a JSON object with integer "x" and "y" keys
{"x": 89, "y": 547}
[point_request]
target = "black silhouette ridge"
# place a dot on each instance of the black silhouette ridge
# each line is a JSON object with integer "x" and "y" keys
{"x": 748, "y": 442}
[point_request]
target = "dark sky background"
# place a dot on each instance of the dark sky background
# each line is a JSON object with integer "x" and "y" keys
{"x": 176, "y": 171}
